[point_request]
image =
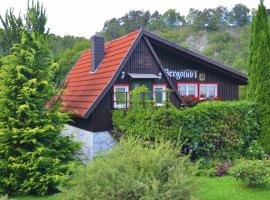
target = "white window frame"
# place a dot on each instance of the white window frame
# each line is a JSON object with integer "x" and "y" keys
{"x": 207, "y": 89}
{"x": 163, "y": 87}
{"x": 120, "y": 105}
{"x": 187, "y": 85}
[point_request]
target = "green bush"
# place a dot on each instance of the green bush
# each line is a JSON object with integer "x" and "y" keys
{"x": 255, "y": 151}
{"x": 253, "y": 173}
{"x": 4, "y": 197}
{"x": 134, "y": 171}
{"x": 212, "y": 130}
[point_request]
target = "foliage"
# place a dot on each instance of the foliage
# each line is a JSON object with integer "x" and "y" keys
{"x": 67, "y": 56}
{"x": 213, "y": 130}
{"x": 255, "y": 151}
{"x": 208, "y": 19}
{"x": 259, "y": 71}
{"x": 239, "y": 15}
{"x": 211, "y": 19}
{"x": 33, "y": 154}
{"x": 133, "y": 170}
{"x": 172, "y": 18}
{"x": 12, "y": 28}
{"x": 223, "y": 168}
{"x": 253, "y": 173}
{"x": 34, "y": 20}
{"x": 4, "y": 197}
{"x": 51, "y": 197}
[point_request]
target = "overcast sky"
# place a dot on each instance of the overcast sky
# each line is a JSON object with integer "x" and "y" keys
{"x": 85, "y": 17}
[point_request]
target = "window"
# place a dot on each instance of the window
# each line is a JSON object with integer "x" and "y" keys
{"x": 120, "y": 96}
{"x": 188, "y": 89}
{"x": 159, "y": 94}
{"x": 202, "y": 76}
{"x": 208, "y": 90}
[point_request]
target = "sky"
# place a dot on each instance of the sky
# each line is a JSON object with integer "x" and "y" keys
{"x": 86, "y": 17}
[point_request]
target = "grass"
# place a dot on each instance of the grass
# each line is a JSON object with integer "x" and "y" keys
{"x": 54, "y": 197}
{"x": 224, "y": 188}
{"x": 217, "y": 188}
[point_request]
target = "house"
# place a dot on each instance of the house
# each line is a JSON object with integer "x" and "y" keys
{"x": 141, "y": 58}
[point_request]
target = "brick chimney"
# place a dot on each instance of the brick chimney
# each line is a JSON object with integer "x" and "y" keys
{"x": 97, "y": 51}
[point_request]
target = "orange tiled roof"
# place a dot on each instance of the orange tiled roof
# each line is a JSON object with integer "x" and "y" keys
{"x": 84, "y": 86}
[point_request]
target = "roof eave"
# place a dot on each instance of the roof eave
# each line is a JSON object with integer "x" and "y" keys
{"x": 242, "y": 78}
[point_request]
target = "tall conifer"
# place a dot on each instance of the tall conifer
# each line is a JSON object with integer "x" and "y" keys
{"x": 259, "y": 70}
{"x": 33, "y": 154}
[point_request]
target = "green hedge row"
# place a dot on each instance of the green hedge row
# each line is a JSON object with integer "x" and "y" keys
{"x": 212, "y": 130}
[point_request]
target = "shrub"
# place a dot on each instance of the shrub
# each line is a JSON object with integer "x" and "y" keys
{"x": 134, "y": 171}
{"x": 223, "y": 168}
{"x": 255, "y": 151}
{"x": 211, "y": 130}
{"x": 253, "y": 173}
{"x": 213, "y": 168}
{"x": 4, "y": 197}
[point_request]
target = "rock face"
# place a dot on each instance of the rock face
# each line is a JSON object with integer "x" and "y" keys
{"x": 198, "y": 43}
{"x": 93, "y": 143}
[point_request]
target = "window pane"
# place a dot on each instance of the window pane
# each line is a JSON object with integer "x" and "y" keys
{"x": 211, "y": 91}
{"x": 191, "y": 90}
{"x": 182, "y": 90}
{"x": 120, "y": 96}
{"x": 159, "y": 94}
{"x": 120, "y": 89}
{"x": 203, "y": 91}
{"x": 208, "y": 90}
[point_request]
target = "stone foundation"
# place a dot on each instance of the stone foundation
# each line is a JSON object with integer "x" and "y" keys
{"x": 93, "y": 143}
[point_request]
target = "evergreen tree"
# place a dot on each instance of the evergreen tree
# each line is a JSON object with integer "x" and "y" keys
{"x": 33, "y": 154}
{"x": 12, "y": 28}
{"x": 34, "y": 20}
{"x": 259, "y": 70}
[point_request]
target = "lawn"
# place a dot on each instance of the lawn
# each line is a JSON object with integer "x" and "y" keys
{"x": 225, "y": 188}
{"x": 222, "y": 188}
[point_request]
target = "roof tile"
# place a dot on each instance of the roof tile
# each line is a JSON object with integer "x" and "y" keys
{"x": 83, "y": 86}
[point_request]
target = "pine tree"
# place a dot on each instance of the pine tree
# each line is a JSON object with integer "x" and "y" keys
{"x": 33, "y": 154}
{"x": 259, "y": 70}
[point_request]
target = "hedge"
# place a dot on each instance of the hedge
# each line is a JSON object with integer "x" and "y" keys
{"x": 211, "y": 130}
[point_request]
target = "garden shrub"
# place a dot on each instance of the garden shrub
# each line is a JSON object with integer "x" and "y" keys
{"x": 255, "y": 151}
{"x": 223, "y": 168}
{"x": 212, "y": 130}
{"x": 134, "y": 170}
{"x": 253, "y": 173}
{"x": 213, "y": 168}
{"x": 4, "y": 197}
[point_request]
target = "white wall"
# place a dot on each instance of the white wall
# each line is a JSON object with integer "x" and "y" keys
{"x": 92, "y": 142}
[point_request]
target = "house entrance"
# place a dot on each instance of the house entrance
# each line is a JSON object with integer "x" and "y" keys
{"x": 139, "y": 83}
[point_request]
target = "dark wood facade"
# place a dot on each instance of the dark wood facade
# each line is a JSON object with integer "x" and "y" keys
{"x": 142, "y": 60}
{"x": 228, "y": 88}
